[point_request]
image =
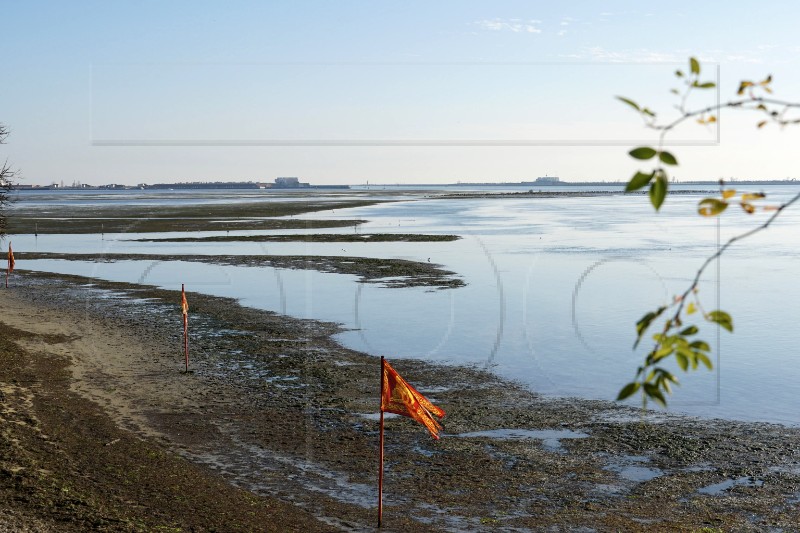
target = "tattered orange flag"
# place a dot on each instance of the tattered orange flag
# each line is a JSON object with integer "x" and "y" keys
{"x": 184, "y": 303}
{"x": 10, "y": 259}
{"x": 10, "y": 268}
{"x": 398, "y": 397}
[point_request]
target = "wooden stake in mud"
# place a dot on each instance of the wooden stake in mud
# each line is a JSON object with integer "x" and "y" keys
{"x": 380, "y": 454}
{"x": 185, "y": 311}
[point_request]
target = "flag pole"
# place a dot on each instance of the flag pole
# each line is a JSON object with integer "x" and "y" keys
{"x": 380, "y": 470}
{"x": 185, "y": 330}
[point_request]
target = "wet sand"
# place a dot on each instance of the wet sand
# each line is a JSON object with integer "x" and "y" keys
{"x": 274, "y": 406}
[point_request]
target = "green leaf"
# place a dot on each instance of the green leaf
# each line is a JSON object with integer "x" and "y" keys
{"x": 667, "y": 158}
{"x": 688, "y": 354}
{"x": 643, "y": 152}
{"x": 710, "y": 207}
{"x": 628, "y": 390}
{"x": 694, "y": 65}
{"x": 653, "y": 392}
{"x": 644, "y": 323}
{"x": 660, "y": 354}
{"x": 700, "y": 345}
{"x": 679, "y": 73}
{"x": 638, "y": 181}
{"x": 691, "y": 330}
{"x": 705, "y": 85}
{"x": 683, "y": 361}
{"x": 670, "y": 377}
{"x": 722, "y": 318}
{"x": 629, "y": 102}
{"x": 705, "y": 360}
{"x": 658, "y": 190}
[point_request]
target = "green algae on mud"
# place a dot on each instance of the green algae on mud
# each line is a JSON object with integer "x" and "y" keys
{"x": 162, "y": 218}
{"x": 390, "y": 273}
{"x": 314, "y": 237}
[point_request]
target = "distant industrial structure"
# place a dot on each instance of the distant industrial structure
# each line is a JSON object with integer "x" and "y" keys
{"x": 289, "y": 183}
{"x": 544, "y": 180}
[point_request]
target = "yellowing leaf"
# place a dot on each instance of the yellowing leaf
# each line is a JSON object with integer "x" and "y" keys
{"x": 710, "y": 207}
{"x": 761, "y": 124}
{"x": 728, "y": 193}
{"x": 749, "y": 208}
{"x": 690, "y": 309}
{"x": 753, "y": 196}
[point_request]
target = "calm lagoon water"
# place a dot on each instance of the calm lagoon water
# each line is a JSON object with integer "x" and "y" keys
{"x": 554, "y": 288}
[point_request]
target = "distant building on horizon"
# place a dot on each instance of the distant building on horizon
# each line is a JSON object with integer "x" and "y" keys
{"x": 543, "y": 180}
{"x": 289, "y": 183}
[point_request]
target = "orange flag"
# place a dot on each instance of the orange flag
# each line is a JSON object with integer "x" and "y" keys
{"x": 184, "y": 303}
{"x": 398, "y": 397}
{"x": 10, "y": 259}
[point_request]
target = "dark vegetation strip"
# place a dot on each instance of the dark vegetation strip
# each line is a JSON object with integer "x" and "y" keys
{"x": 315, "y": 237}
{"x": 161, "y": 225}
{"x": 161, "y": 218}
{"x": 391, "y": 273}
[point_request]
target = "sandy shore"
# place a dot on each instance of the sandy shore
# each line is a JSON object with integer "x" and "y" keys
{"x": 274, "y": 406}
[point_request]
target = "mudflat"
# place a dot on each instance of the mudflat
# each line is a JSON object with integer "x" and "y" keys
{"x": 275, "y": 428}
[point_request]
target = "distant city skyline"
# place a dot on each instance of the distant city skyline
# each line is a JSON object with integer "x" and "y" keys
{"x": 345, "y": 93}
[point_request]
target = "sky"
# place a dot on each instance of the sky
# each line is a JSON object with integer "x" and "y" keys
{"x": 362, "y": 91}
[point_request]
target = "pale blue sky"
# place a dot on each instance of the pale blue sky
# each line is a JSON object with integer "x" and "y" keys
{"x": 129, "y": 92}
